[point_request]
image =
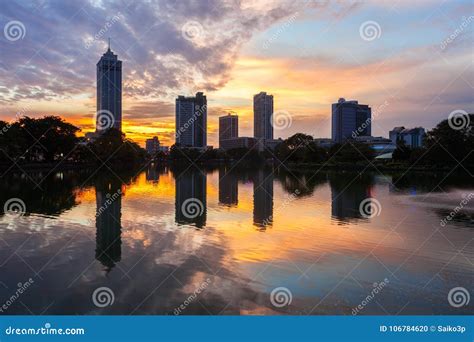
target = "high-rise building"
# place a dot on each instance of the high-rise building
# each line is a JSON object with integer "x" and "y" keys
{"x": 191, "y": 121}
{"x": 228, "y": 127}
{"x": 262, "y": 116}
{"x": 412, "y": 137}
{"x": 350, "y": 119}
{"x": 109, "y": 92}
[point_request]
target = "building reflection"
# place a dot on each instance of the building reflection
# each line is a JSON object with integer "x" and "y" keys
{"x": 153, "y": 172}
{"x": 263, "y": 198}
{"x": 108, "y": 224}
{"x": 228, "y": 188}
{"x": 347, "y": 193}
{"x": 190, "y": 199}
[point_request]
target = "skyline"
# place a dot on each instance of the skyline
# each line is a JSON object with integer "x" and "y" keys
{"x": 410, "y": 74}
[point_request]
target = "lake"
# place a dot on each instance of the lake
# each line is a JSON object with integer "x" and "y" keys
{"x": 236, "y": 241}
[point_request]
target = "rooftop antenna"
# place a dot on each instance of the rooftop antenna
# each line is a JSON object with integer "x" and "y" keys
{"x": 109, "y": 44}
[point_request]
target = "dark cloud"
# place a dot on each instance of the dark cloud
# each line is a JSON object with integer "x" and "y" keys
{"x": 65, "y": 39}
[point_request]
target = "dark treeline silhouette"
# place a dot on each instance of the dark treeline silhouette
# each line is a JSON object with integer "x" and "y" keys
{"x": 443, "y": 145}
{"x": 51, "y": 140}
{"x": 52, "y": 193}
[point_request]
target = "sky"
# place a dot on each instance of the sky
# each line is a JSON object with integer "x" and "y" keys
{"x": 410, "y": 60}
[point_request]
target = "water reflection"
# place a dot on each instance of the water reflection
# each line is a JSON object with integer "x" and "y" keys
{"x": 108, "y": 224}
{"x": 190, "y": 202}
{"x": 228, "y": 188}
{"x": 347, "y": 193}
{"x": 153, "y": 262}
{"x": 263, "y": 197}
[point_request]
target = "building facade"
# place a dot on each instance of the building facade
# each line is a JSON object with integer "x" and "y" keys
{"x": 228, "y": 127}
{"x": 191, "y": 121}
{"x": 262, "y": 116}
{"x": 152, "y": 146}
{"x": 240, "y": 142}
{"x": 349, "y": 120}
{"x": 109, "y": 92}
{"x": 379, "y": 145}
{"x": 413, "y": 137}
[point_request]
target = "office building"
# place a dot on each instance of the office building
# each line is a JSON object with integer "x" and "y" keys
{"x": 152, "y": 146}
{"x": 240, "y": 142}
{"x": 109, "y": 92}
{"x": 191, "y": 121}
{"x": 413, "y": 137}
{"x": 349, "y": 120}
{"x": 262, "y": 117}
{"x": 228, "y": 127}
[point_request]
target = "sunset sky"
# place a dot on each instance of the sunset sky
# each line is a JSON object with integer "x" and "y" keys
{"x": 415, "y": 70}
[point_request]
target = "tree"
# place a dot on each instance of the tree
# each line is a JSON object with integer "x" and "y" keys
{"x": 402, "y": 152}
{"x": 111, "y": 147}
{"x": 449, "y": 145}
{"x": 351, "y": 152}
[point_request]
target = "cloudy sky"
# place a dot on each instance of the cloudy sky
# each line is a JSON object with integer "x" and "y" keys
{"x": 411, "y": 60}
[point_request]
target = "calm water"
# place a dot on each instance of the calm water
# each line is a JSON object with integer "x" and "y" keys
{"x": 155, "y": 238}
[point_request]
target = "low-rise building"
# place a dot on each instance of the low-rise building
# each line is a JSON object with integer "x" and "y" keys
{"x": 413, "y": 137}
{"x": 152, "y": 146}
{"x": 240, "y": 142}
{"x": 380, "y": 145}
{"x": 324, "y": 142}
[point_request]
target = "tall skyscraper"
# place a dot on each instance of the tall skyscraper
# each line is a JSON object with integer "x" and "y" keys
{"x": 350, "y": 119}
{"x": 262, "y": 116}
{"x": 228, "y": 127}
{"x": 109, "y": 92}
{"x": 191, "y": 121}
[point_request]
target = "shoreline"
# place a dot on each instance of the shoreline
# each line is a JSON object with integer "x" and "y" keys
{"x": 302, "y": 167}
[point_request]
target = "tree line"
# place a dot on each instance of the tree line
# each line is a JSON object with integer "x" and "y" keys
{"x": 51, "y": 139}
